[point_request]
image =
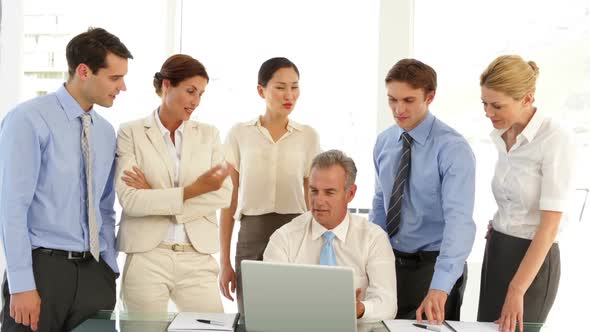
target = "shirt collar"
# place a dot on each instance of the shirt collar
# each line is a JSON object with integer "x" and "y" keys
{"x": 421, "y": 132}
{"x": 164, "y": 130}
{"x": 70, "y": 106}
{"x": 291, "y": 125}
{"x": 532, "y": 128}
{"x": 529, "y": 132}
{"x": 340, "y": 231}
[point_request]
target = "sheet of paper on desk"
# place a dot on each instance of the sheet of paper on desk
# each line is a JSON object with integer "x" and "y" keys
{"x": 187, "y": 321}
{"x": 400, "y": 325}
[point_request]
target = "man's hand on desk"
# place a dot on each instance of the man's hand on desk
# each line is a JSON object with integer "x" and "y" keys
{"x": 227, "y": 281}
{"x": 360, "y": 307}
{"x": 25, "y": 308}
{"x": 433, "y": 306}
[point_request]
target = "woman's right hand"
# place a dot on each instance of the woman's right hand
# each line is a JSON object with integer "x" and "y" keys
{"x": 212, "y": 180}
{"x": 227, "y": 281}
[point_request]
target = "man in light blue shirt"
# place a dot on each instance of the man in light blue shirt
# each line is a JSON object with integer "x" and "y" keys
{"x": 424, "y": 197}
{"x": 57, "y": 195}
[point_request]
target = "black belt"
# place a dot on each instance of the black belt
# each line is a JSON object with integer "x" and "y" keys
{"x": 419, "y": 256}
{"x": 75, "y": 255}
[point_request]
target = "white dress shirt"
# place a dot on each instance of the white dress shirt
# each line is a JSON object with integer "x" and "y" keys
{"x": 271, "y": 173}
{"x": 535, "y": 175}
{"x": 176, "y": 232}
{"x": 359, "y": 244}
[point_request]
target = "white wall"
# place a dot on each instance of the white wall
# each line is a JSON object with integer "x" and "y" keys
{"x": 11, "y": 51}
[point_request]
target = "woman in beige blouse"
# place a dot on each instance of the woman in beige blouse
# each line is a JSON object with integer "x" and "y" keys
{"x": 271, "y": 158}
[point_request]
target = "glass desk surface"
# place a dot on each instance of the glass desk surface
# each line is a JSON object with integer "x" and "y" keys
{"x": 112, "y": 321}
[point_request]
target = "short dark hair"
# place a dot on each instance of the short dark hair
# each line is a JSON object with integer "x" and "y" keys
{"x": 415, "y": 73}
{"x": 270, "y": 66}
{"x": 91, "y": 48}
{"x": 176, "y": 69}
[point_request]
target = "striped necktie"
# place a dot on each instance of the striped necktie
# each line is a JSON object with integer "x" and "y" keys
{"x": 397, "y": 194}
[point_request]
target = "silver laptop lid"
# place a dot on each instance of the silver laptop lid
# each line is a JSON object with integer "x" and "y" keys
{"x": 296, "y": 297}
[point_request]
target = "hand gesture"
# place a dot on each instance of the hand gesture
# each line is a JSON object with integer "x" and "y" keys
{"x": 433, "y": 306}
{"x": 212, "y": 179}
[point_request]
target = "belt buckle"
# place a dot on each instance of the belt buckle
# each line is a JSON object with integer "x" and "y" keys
{"x": 177, "y": 247}
{"x": 76, "y": 255}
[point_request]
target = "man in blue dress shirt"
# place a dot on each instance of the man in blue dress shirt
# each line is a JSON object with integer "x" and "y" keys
{"x": 57, "y": 195}
{"x": 424, "y": 196}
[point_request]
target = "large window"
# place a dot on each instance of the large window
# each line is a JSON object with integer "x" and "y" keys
{"x": 49, "y": 25}
{"x": 336, "y": 55}
{"x": 460, "y": 44}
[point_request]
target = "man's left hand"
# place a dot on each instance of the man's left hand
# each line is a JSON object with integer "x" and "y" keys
{"x": 360, "y": 307}
{"x": 433, "y": 306}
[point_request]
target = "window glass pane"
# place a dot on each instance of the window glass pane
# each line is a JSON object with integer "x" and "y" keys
{"x": 49, "y": 26}
{"x": 334, "y": 43}
{"x": 460, "y": 46}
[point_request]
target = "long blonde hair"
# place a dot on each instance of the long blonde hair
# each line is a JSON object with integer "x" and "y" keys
{"x": 511, "y": 75}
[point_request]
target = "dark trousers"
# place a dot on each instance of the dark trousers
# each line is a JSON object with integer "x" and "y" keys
{"x": 414, "y": 273}
{"x": 71, "y": 291}
{"x": 255, "y": 231}
{"x": 502, "y": 257}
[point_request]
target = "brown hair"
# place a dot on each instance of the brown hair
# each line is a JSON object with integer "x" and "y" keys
{"x": 91, "y": 48}
{"x": 176, "y": 69}
{"x": 413, "y": 72}
{"x": 511, "y": 75}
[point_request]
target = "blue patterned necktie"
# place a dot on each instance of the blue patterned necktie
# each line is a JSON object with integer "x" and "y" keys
{"x": 328, "y": 257}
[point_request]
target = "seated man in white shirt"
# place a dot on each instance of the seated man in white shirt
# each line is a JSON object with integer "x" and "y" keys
{"x": 329, "y": 235}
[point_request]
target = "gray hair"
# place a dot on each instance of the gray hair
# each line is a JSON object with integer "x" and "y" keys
{"x": 336, "y": 157}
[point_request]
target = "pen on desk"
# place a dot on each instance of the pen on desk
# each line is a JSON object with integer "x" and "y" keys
{"x": 449, "y": 326}
{"x": 210, "y": 322}
{"x": 426, "y": 327}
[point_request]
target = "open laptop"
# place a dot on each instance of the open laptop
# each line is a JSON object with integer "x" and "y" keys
{"x": 295, "y": 297}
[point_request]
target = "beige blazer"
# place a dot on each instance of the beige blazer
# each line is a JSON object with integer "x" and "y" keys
{"x": 147, "y": 214}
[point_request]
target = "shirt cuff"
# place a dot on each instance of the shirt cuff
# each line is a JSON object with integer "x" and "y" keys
{"x": 442, "y": 281}
{"x": 368, "y": 312}
{"x": 21, "y": 280}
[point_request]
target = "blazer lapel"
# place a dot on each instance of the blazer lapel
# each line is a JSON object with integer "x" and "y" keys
{"x": 155, "y": 137}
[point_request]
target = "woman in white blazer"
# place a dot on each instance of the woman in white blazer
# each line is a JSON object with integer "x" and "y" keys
{"x": 171, "y": 180}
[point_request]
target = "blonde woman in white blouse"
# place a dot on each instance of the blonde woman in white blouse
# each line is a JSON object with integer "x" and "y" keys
{"x": 271, "y": 158}
{"x": 532, "y": 185}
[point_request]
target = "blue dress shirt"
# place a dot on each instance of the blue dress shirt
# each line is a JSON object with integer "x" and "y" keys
{"x": 437, "y": 207}
{"x": 43, "y": 184}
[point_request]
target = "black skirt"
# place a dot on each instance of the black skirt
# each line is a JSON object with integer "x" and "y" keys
{"x": 502, "y": 257}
